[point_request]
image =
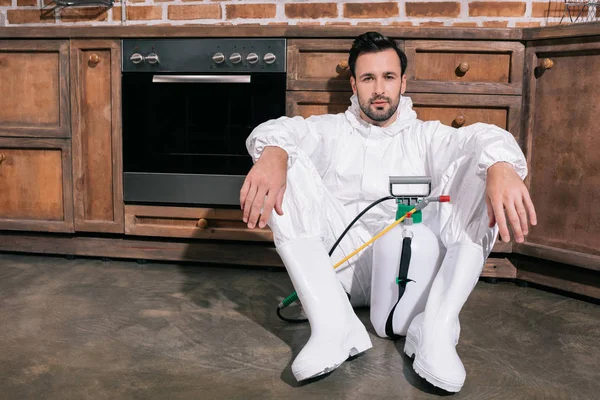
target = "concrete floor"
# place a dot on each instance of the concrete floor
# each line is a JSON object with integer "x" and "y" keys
{"x": 87, "y": 328}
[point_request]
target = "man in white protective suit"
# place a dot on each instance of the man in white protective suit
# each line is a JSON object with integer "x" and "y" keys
{"x": 318, "y": 173}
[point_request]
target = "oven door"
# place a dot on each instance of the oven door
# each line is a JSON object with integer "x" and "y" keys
{"x": 184, "y": 135}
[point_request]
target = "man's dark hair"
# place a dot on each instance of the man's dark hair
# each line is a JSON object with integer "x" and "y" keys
{"x": 372, "y": 42}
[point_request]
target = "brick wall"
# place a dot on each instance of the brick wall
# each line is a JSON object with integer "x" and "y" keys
{"x": 462, "y": 13}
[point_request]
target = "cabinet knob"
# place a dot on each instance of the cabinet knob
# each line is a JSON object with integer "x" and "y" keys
{"x": 2, "y": 158}
{"x": 202, "y": 223}
{"x": 460, "y": 120}
{"x": 343, "y": 65}
{"x": 546, "y": 63}
{"x": 463, "y": 67}
{"x": 93, "y": 60}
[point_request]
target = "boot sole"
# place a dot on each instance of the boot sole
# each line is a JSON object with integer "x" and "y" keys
{"x": 360, "y": 346}
{"x": 410, "y": 350}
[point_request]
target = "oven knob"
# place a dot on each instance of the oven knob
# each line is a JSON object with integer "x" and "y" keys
{"x": 235, "y": 58}
{"x": 136, "y": 58}
{"x": 218, "y": 58}
{"x": 269, "y": 58}
{"x": 252, "y": 58}
{"x": 152, "y": 58}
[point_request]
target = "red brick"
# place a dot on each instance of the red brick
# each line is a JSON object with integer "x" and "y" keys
{"x": 234, "y": 11}
{"x": 465, "y": 24}
{"x": 403, "y": 23}
{"x": 196, "y": 11}
{"x": 83, "y": 14}
{"x": 116, "y": 13}
{"x": 311, "y": 10}
{"x": 278, "y": 24}
{"x": 144, "y": 13}
{"x": 312, "y": 23}
{"x": 437, "y": 9}
{"x": 338, "y": 23}
{"x": 29, "y": 17}
{"x": 495, "y": 24}
{"x": 496, "y": 9}
{"x": 553, "y": 10}
{"x": 5, "y": 2}
{"x": 24, "y": 3}
{"x": 370, "y": 10}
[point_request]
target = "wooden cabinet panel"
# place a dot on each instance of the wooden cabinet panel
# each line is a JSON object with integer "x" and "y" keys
{"x": 462, "y": 110}
{"x": 563, "y": 151}
{"x": 464, "y": 66}
{"x": 306, "y": 104}
{"x": 200, "y": 223}
{"x": 97, "y": 154}
{"x": 36, "y": 185}
{"x": 34, "y": 98}
{"x": 317, "y": 64}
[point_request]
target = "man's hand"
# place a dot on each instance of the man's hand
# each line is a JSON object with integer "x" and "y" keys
{"x": 505, "y": 191}
{"x": 267, "y": 178}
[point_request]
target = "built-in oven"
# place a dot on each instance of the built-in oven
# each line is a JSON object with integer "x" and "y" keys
{"x": 188, "y": 107}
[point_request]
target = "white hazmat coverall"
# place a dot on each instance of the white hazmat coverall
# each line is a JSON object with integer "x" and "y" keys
{"x": 338, "y": 165}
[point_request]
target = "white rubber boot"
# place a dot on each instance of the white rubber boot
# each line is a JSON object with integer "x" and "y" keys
{"x": 336, "y": 331}
{"x": 425, "y": 259}
{"x": 433, "y": 335}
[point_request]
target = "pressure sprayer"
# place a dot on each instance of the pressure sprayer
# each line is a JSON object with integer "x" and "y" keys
{"x": 411, "y": 195}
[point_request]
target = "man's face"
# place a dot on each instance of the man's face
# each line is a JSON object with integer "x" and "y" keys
{"x": 378, "y": 86}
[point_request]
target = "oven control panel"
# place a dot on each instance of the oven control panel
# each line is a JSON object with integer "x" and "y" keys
{"x": 204, "y": 55}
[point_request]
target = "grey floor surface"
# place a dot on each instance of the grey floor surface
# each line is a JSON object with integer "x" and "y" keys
{"x": 87, "y": 328}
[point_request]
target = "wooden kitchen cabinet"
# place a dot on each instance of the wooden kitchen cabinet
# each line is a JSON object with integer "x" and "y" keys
{"x": 563, "y": 151}
{"x": 36, "y": 193}
{"x": 307, "y": 103}
{"x": 34, "y": 90}
{"x": 450, "y": 66}
{"x": 459, "y": 110}
{"x": 191, "y": 222}
{"x": 97, "y": 144}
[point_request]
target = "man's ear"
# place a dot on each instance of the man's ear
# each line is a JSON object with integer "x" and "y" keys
{"x": 403, "y": 87}
{"x": 353, "y": 84}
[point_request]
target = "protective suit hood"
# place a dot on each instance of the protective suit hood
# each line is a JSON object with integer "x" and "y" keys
{"x": 405, "y": 117}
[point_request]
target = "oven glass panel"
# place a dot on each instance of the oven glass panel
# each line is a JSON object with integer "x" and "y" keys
{"x": 195, "y": 128}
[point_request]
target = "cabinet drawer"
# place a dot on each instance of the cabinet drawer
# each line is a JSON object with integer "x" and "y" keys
{"x": 36, "y": 194}
{"x": 464, "y": 67}
{"x": 199, "y": 223}
{"x": 306, "y": 104}
{"x": 34, "y": 88}
{"x": 463, "y": 110}
{"x": 318, "y": 64}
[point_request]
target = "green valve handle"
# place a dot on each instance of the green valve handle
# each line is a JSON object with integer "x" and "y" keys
{"x": 288, "y": 300}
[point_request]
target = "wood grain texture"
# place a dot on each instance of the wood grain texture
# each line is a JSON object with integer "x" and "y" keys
{"x": 562, "y": 31}
{"x": 493, "y": 67}
{"x": 185, "y": 222}
{"x": 34, "y": 87}
{"x": 223, "y": 252}
{"x": 503, "y": 111}
{"x": 563, "y": 148}
{"x": 307, "y": 103}
{"x": 97, "y": 144}
{"x": 36, "y": 185}
{"x": 249, "y": 31}
{"x": 499, "y": 268}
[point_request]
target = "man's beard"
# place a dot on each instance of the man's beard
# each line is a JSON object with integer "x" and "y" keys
{"x": 379, "y": 115}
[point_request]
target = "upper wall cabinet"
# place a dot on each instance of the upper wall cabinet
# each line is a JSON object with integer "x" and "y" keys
{"x": 436, "y": 66}
{"x": 34, "y": 91}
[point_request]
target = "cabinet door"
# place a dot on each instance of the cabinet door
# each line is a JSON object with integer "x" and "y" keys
{"x": 563, "y": 152}
{"x": 305, "y": 104}
{"x": 34, "y": 92}
{"x": 97, "y": 154}
{"x": 36, "y": 194}
{"x": 447, "y": 66}
{"x": 462, "y": 110}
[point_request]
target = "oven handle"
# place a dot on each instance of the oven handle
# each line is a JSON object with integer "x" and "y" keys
{"x": 201, "y": 79}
